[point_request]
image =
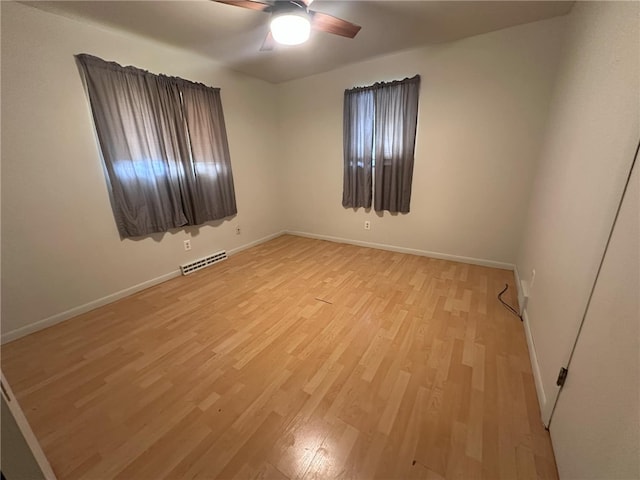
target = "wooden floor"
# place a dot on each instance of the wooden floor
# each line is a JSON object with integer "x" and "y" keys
{"x": 298, "y": 358}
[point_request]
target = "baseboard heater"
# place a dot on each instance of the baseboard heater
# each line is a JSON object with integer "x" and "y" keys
{"x": 201, "y": 263}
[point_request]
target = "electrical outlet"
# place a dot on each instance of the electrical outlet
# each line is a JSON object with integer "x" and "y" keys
{"x": 367, "y": 225}
{"x": 533, "y": 277}
{"x": 237, "y": 229}
{"x": 187, "y": 244}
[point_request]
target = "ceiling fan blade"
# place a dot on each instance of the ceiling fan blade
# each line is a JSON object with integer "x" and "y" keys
{"x": 337, "y": 26}
{"x": 268, "y": 43}
{"x": 246, "y": 4}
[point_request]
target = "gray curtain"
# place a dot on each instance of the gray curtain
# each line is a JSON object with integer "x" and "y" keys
{"x": 358, "y": 148}
{"x": 385, "y": 115}
{"x": 395, "y": 132}
{"x": 151, "y": 136}
{"x": 211, "y": 167}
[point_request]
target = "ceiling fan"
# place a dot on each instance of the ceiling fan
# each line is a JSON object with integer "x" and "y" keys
{"x": 292, "y": 21}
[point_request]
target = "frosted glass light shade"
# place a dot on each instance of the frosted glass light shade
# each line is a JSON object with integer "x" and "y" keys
{"x": 290, "y": 29}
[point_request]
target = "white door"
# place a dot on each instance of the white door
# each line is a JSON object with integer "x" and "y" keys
{"x": 595, "y": 427}
{"x": 21, "y": 456}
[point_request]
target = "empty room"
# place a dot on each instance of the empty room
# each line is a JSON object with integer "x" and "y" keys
{"x": 299, "y": 239}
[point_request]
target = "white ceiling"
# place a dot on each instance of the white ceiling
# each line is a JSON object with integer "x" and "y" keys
{"x": 233, "y": 35}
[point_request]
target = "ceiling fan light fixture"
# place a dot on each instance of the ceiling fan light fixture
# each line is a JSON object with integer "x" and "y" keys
{"x": 291, "y": 28}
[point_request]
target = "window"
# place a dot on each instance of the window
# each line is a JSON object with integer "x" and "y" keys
{"x": 379, "y": 137}
{"x": 164, "y": 147}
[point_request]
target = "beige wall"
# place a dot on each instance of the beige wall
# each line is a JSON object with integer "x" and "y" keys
{"x": 483, "y": 106}
{"x": 592, "y": 133}
{"x": 60, "y": 246}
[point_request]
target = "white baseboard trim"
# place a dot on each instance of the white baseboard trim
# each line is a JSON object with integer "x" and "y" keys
{"x": 233, "y": 251}
{"x": 535, "y": 367}
{"x": 73, "y": 312}
{"x": 519, "y": 289}
{"x": 411, "y": 251}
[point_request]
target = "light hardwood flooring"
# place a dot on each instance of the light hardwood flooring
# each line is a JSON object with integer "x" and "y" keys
{"x": 298, "y": 358}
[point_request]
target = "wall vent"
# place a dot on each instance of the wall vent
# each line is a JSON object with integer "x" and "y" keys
{"x": 201, "y": 263}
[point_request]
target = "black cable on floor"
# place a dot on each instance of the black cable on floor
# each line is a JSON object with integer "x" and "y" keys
{"x": 506, "y": 305}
